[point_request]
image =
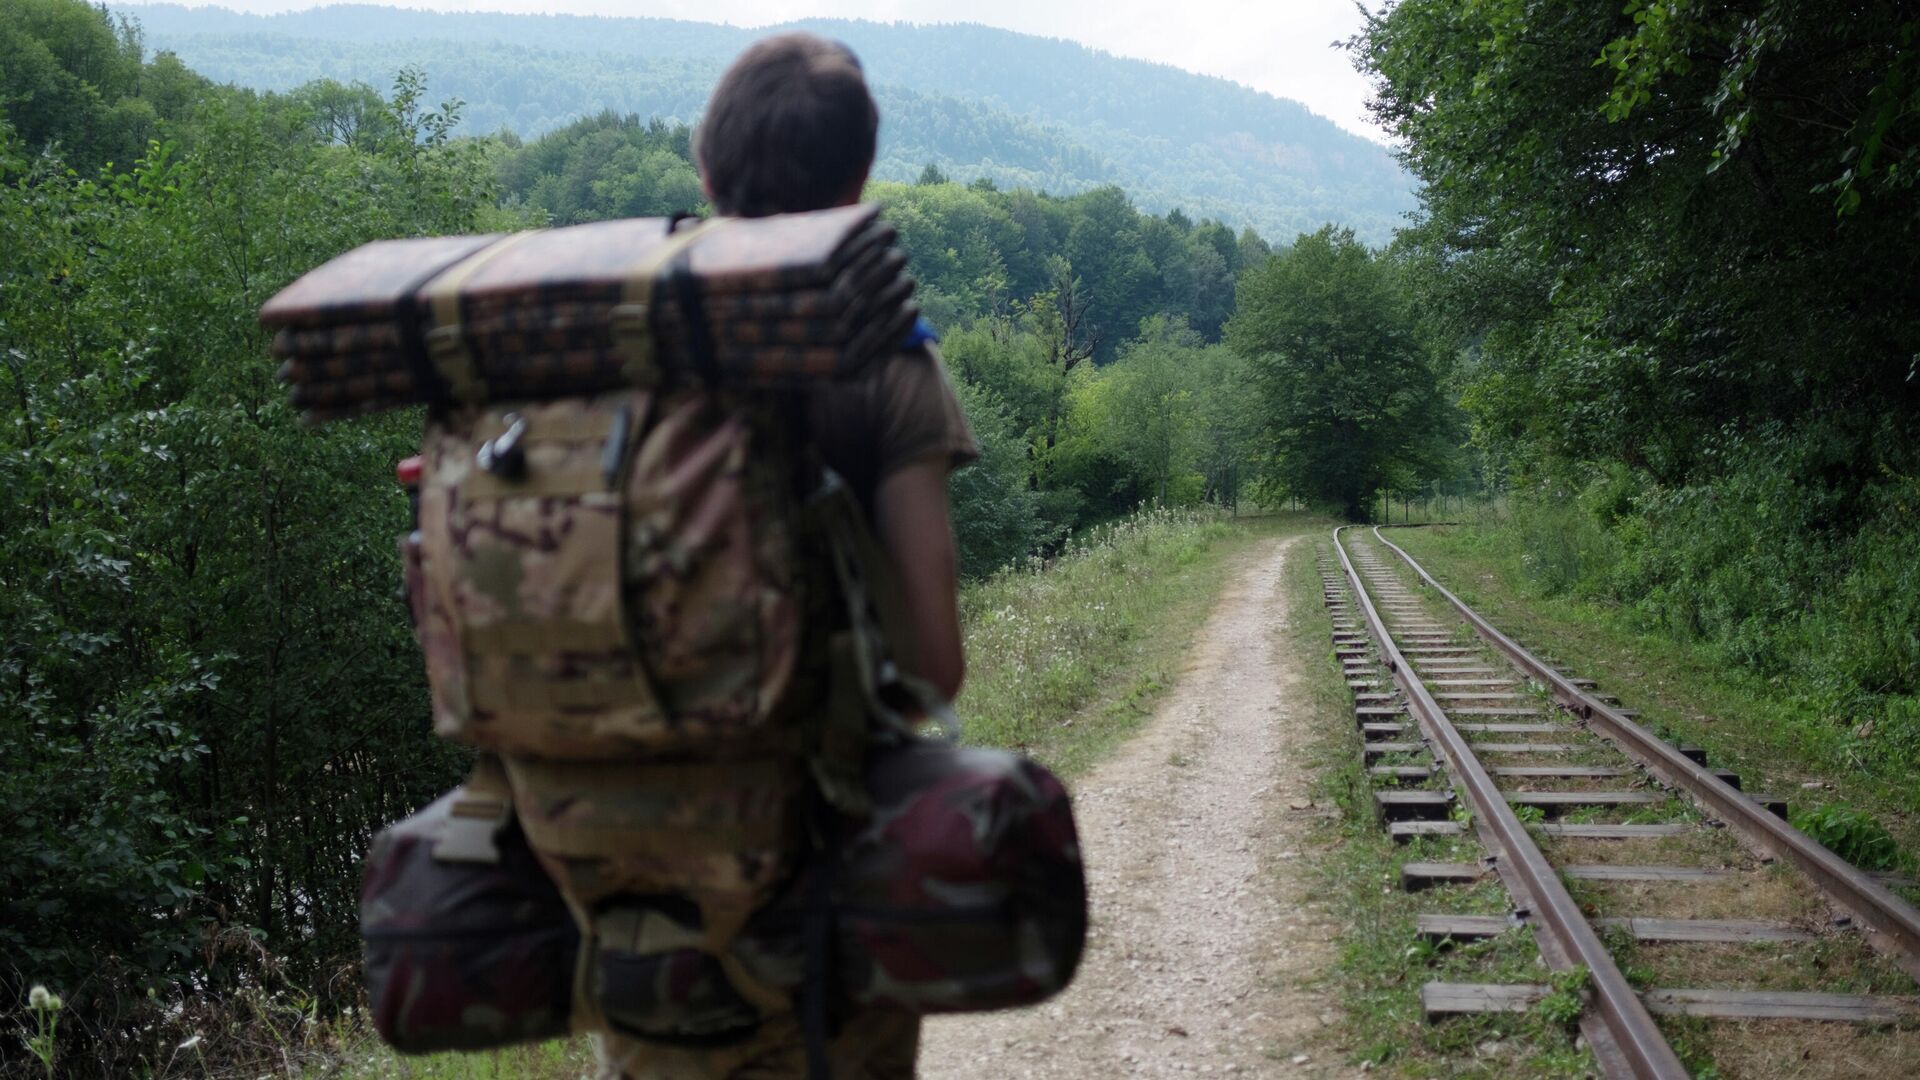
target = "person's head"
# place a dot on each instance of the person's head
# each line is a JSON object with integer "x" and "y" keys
{"x": 790, "y": 127}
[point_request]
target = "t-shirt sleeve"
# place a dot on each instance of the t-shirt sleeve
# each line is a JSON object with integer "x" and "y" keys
{"x": 917, "y": 415}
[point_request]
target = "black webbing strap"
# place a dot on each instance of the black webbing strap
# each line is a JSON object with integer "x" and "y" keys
{"x": 411, "y": 314}
{"x": 685, "y": 289}
{"x": 817, "y": 989}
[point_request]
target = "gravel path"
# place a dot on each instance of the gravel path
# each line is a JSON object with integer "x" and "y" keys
{"x": 1206, "y": 936}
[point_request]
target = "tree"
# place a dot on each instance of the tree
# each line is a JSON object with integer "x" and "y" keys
{"x": 1674, "y": 250}
{"x": 1144, "y": 407}
{"x": 1326, "y": 330}
{"x": 210, "y": 701}
{"x": 70, "y": 74}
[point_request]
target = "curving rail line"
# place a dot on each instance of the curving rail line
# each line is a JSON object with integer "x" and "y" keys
{"x": 1625, "y": 1039}
{"x": 1870, "y": 902}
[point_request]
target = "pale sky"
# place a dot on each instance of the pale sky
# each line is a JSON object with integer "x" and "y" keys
{"x": 1283, "y": 47}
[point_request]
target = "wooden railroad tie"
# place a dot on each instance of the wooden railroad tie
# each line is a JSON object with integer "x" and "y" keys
{"x": 1414, "y": 805}
{"x": 1524, "y": 748}
{"x": 1560, "y": 772}
{"x": 1381, "y": 749}
{"x": 1613, "y": 832}
{"x": 1415, "y": 876}
{"x": 1452, "y": 999}
{"x": 1690, "y": 931}
{"x": 1568, "y": 800}
{"x": 1404, "y": 831}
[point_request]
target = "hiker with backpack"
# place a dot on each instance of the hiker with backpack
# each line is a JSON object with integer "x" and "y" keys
{"x": 682, "y": 574}
{"x": 792, "y": 127}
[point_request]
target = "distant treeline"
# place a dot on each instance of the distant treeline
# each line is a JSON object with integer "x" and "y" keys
{"x": 1021, "y": 110}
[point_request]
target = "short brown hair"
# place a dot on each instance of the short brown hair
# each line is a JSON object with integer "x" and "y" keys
{"x": 790, "y": 127}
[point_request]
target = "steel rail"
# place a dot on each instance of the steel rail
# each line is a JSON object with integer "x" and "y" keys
{"x": 1638, "y": 1050}
{"x": 1872, "y": 904}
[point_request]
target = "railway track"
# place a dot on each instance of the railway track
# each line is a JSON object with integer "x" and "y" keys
{"x": 1618, "y": 851}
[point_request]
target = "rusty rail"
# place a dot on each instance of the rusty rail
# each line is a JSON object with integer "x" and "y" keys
{"x": 1624, "y": 1037}
{"x": 1872, "y": 904}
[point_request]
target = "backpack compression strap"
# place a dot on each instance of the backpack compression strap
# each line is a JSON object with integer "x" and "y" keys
{"x": 481, "y": 808}
{"x": 446, "y": 343}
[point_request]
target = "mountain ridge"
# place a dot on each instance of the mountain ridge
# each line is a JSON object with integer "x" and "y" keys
{"x": 1071, "y": 117}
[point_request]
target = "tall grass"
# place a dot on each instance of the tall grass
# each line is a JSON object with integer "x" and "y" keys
{"x": 1044, "y": 637}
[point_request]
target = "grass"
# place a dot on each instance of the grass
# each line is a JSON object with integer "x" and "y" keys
{"x": 362, "y": 1057}
{"x": 1682, "y": 692}
{"x": 1068, "y": 657}
{"x": 1382, "y": 961}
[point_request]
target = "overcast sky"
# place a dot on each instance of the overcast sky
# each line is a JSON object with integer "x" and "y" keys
{"x": 1284, "y": 47}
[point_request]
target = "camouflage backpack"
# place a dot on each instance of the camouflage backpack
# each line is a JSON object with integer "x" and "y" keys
{"x": 632, "y": 605}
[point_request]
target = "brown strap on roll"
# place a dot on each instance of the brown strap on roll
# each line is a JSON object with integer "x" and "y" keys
{"x": 632, "y": 319}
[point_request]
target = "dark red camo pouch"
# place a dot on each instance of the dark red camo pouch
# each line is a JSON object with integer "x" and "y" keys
{"x": 463, "y": 956}
{"x": 965, "y": 889}
{"x": 963, "y": 892}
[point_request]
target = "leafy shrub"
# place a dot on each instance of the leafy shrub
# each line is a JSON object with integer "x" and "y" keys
{"x": 1852, "y": 835}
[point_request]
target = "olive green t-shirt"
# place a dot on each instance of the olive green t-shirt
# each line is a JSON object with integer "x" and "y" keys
{"x": 902, "y": 412}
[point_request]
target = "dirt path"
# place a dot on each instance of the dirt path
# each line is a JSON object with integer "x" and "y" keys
{"x": 1205, "y": 935}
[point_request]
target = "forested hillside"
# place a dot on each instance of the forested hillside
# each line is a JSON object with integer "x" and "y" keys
{"x": 209, "y": 697}
{"x": 975, "y": 101}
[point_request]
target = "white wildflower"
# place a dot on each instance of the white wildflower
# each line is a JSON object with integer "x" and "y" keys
{"x": 37, "y": 998}
{"x": 190, "y": 1043}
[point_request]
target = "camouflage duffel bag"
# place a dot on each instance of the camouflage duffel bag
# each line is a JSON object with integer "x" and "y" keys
{"x": 962, "y": 892}
{"x": 463, "y": 955}
{"x": 466, "y": 954}
{"x": 965, "y": 890}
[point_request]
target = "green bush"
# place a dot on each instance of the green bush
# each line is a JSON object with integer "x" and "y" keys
{"x": 1810, "y": 583}
{"x": 1852, "y": 835}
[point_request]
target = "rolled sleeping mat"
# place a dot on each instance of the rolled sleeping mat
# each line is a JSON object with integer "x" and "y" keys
{"x": 754, "y": 302}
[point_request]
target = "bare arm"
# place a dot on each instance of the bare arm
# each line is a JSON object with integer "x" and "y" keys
{"x": 916, "y": 529}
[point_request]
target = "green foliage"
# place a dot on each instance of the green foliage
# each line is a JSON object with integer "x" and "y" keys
{"x": 210, "y": 701}
{"x": 1567, "y": 1000}
{"x": 980, "y": 252}
{"x": 1851, "y": 834}
{"x": 605, "y": 166}
{"x": 70, "y": 74}
{"x": 997, "y": 519}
